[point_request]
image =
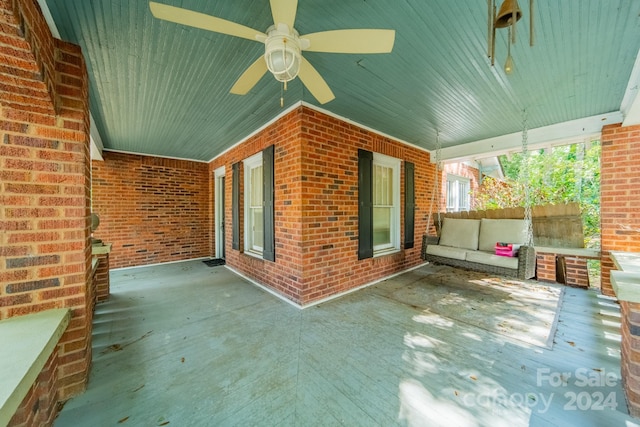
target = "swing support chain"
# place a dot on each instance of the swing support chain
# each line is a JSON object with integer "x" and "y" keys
{"x": 436, "y": 187}
{"x": 524, "y": 176}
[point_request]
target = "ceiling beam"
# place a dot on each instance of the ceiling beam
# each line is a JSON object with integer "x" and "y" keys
{"x": 558, "y": 134}
{"x": 630, "y": 106}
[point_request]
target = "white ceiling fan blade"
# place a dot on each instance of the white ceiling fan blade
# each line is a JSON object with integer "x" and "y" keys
{"x": 250, "y": 77}
{"x": 314, "y": 82}
{"x": 203, "y": 21}
{"x": 351, "y": 41}
{"x": 284, "y": 11}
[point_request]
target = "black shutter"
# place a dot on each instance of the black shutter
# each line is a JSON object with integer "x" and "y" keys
{"x": 409, "y": 204}
{"x": 268, "y": 208}
{"x": 365, "y": 204}
{"x": 235, "y": 207}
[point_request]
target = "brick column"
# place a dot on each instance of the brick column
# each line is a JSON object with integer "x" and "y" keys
{"x": 630, "y": 347}
{"x": 620, "y": 225}
{"x": 577, "y": 272}
{"x": 546, "y": 267}
{"x": 102, "y": 279}
{"x": 45, "y": 253}
{"x": 619, "y": 197}
{"x": 39, "y": 407}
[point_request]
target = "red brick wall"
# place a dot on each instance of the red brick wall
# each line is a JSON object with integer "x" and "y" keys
{"x": 546, "y": 267}
{"x": 284, "y": 275}
{"x": 630, "y": 349}
{"x": 45, "y": 256}
{"x": 619, "y": 195}
{"x": 152, "y": 209}
{"x": 577, "y": 272}
{"x": 330, "y": 205}
{"x": 101, "y": 280}
{"x": 620, "y": 229}
{"x": 39, "y": 406}
{"x": 316, "y": 204}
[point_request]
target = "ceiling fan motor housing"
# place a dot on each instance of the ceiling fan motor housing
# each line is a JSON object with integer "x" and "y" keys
{"x": 282, "y": 52}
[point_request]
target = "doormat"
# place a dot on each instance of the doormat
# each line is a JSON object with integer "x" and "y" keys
{"x": 214, "y": 262}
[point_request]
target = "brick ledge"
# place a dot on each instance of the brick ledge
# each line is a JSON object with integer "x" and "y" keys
{"x": 28, "y": 341}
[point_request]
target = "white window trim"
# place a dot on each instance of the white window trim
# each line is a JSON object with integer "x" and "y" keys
{"x": 394, "y": 164}
{"x": 248, "y": 164}
{"x": 218, "y": 210}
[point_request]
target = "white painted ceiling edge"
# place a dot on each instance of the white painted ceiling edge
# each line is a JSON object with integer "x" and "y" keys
{"x": 586, "y": 129}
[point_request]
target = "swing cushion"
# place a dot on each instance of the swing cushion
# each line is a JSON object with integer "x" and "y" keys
{"x": 447, "y": 252}
{"x": 460, "y": 233}
{"x": 501, "y": 230}
{"x": 491, "y": 259}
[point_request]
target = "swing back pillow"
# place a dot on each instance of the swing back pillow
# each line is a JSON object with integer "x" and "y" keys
{"x": 460, "y": 233}
{"x": 501, "y": 230}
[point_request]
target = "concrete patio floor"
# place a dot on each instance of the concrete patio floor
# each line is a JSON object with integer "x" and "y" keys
{"x": 184, "y": 344}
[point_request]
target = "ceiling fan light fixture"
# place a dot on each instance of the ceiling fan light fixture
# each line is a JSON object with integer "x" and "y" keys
{"x": 282, "y": 54}
{"x": 283, "y": 45}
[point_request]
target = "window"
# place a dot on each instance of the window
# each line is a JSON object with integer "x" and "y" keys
{"x": 457, "y": 193}
{"x": 253, "y": 205}
{"x": 379, "y": 204}
{"x": 386, "y": 203}
{"x": 259, "y": 207}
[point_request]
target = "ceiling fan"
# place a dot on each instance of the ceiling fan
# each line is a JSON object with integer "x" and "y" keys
{"x": 283, "y": 45}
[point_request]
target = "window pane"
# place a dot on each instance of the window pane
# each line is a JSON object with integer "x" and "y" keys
{"x": 386, "y": 204}
{"x": 451, "y": 196}
{"x": 258, "y": 229}
{"x": 389, "y": 186}
{"x": 381, "y": 226}
{"x": 256, "y": 186}
{"x": 458, "y": 194}
{"x": 382, "y": 186}
{"x": 253, "y": 190}
{"x": 464, "y": 195}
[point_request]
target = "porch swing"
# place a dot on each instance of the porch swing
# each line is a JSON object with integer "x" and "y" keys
{"x": 475, "y": 243}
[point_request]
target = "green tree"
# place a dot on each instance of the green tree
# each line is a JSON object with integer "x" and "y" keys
{"x": 563, "y": 174}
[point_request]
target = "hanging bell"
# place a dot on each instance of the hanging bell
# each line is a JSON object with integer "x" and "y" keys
{"x": 507, "y": 10}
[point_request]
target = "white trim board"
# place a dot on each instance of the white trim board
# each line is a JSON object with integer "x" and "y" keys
{"x": 133, "y": 153}
{"x": 319, "y": 110}
{"x": 323, "y": 300}
{"x": 260, "y": 129}
{"x": 360, "y": 125}
{"x": 556, "y": 134}
{"x": 162, "y": 263}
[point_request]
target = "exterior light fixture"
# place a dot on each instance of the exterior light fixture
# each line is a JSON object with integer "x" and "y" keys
{"x": 283, "y": 54}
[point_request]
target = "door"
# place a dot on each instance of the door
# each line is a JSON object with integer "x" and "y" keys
{"x": 221, "y": 227}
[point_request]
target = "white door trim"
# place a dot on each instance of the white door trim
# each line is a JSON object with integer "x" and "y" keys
{"x": 218, "y": 209}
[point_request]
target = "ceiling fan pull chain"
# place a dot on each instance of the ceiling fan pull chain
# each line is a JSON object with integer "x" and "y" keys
{"x": 282, "y": 89}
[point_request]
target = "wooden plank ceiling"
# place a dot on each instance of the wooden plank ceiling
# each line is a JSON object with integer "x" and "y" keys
{"x": 162, "y": 88}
